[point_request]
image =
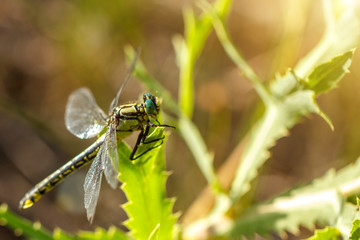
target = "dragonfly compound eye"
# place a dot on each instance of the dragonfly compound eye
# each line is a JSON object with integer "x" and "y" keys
{"x": 150, "y": 107}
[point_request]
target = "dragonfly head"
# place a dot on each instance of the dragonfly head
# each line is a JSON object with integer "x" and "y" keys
{"x": 152, "y": 104}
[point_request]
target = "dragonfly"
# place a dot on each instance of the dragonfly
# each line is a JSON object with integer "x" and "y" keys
{"x": 85, "y": 119}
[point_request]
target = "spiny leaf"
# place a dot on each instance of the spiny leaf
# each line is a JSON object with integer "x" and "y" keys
{"x": 322, "y": 202}
{"x": 285, "y": 85}
{"x": 144, "y": 185}
{"x": 351, "y": 221}
{"x": 292, "y": 100}
{"x": 355, "y": 231}
{"x": 278, "y": 118}
{"x": 326, "y": 76}
{"x": 280, "y": 114}
{"x": 341, "y": 35}
{"x": 154, "y": 234}
{"x": 345, "y": 219}
{"x": 285, "y": 104}
{"x": 328, "y": 233}
{"x": 287, "y": 215}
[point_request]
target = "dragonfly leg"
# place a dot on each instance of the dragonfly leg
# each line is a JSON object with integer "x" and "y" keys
{"x": 160, "y": 125}
{"x": 141, "y": 140}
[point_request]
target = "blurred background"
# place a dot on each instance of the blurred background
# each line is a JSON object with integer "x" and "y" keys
{"x": 50, "y": 48}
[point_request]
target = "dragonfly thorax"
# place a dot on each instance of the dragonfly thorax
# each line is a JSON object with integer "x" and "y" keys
{"x": 135, "y": 116}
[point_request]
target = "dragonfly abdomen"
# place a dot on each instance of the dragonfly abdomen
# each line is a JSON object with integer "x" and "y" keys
{"x": 56, "y": 177}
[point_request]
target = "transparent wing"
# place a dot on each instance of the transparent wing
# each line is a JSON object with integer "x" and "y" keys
{"x": 111, "y": 161}
{"x": 83, "y": 117}
{"x": 124, "y": 82}
{"x": 92, "y": 184}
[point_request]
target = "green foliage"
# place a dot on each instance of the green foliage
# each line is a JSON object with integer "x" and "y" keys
{"x": 326, "y": 76}
{"x": 22, "y": 226}
{"x": 281, "y": 113}
{"x": 189, "y": 48}
{"x": 341, "y": 34}
{"x": 344, "y": 221}
{"x": 204, "y": 159}
{"x": 149, "y": 211}
{"x": 287, "y": 99}
{"x": 355, "y": 231}
{"x": 112, "y": 234}
{"x": 325, "y": 234}
{"x": 355, "y": 225}
{"x": 61, "y": 235}
{"x": 321, "y": 201}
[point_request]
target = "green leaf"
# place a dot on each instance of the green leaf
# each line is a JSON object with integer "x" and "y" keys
{"x": 188, "y": 49}
{"x": 355, "y": 224}
{"x": 322, "y": 201}
{"x": 326, "y": 76}
{"x": 341, "y": 35}
{"x": 154, "y": 235}
{"x": 22, "y": 226}
{"x": 291, "y": 100}
{"x": 349, "y": 213}
{"x": 204, "y": 160}
{"x": 144, "y": 185}
{"x": 186, "y": 56}
{"x": 278, "y": 118}
{"x": 285, "y": 85}
{"x": 355, "y": 231}
{"x": 100, "y": 234}
{"x": 288, "y": 100}
{"x": 328, "y": 233}
{"x": 281, "y": 114}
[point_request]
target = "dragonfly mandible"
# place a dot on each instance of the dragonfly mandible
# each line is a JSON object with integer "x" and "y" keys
{"x": 85, "y": 119}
